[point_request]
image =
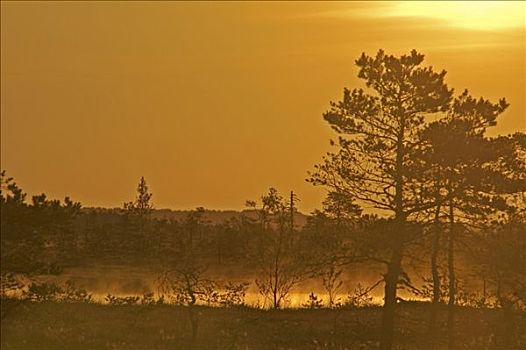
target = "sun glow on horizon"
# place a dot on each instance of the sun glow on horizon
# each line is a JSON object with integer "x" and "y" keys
{"x": 478, "y": 15}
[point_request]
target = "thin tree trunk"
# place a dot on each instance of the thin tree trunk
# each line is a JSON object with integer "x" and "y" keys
{"x": 507, "y": 325}
{"x": 435, "y": 273}
{"x": 394, "y": 267}
{"x": 452, "y": 279}
{"x": 391, "y": 283}
{"x": 277, "y": 271}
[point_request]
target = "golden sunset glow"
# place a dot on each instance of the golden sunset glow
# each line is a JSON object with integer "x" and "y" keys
{"x": 263, "y": 175}
{"x": 202, "y": 98}
{"x": 480, "y": 15}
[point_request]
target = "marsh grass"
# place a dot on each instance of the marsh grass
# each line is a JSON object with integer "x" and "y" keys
{"x": 55, "y": 325}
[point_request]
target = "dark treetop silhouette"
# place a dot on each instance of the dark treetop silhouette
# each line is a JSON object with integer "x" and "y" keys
{"x": 382, "y": 142}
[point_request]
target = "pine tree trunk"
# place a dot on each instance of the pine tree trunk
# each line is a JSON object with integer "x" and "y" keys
{"x": 452, "y": 280}
{"x": 435, "y": 273}
{"x": 389, "y": 312}
{"x": 391, "y": 285}
{"x": 394, "y": 267}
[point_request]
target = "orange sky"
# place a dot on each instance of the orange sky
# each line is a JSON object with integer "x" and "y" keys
{"x": 215, "y": 102}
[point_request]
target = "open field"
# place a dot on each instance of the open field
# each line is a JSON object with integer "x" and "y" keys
{"x": 72, "y": 326}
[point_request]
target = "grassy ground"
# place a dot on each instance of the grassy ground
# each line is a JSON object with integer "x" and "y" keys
{"x": 49, "y": 325}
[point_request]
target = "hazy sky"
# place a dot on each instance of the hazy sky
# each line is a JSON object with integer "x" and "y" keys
{"x": 215, "y": 102}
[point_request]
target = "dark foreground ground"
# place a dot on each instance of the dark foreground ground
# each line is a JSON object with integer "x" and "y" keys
{"x": 50, "y": 325}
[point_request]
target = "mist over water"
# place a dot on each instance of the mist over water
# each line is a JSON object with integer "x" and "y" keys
{"x": 122, "y": 281}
